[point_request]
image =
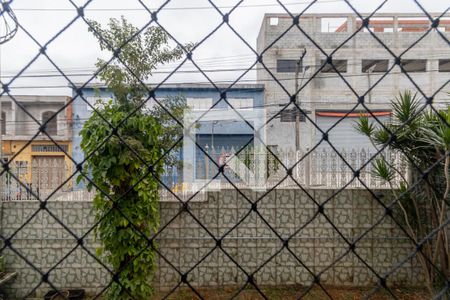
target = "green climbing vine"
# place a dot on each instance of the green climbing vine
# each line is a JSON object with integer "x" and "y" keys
{"x": 130, "y": 212}
{"x": 124, "y": 144}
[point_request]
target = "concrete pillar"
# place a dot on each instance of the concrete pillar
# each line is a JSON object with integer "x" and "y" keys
{"x": 351, "y": 24}
{"x": 396, "y": 77}
{"x": 395, "y": 24}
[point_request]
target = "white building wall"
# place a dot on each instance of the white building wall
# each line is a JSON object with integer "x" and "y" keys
{"x": 20, "y": 123}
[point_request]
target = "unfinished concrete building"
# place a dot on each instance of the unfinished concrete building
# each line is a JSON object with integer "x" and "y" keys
{"x": 362, "y": 61}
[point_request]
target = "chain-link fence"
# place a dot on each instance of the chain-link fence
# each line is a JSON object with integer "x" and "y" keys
{"x": 306, "y": 216}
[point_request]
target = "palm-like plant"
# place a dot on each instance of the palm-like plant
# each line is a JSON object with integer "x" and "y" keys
{"x": 422, "y": 200}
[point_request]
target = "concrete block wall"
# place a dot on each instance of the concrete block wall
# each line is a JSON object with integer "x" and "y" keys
{"x": 43, "y": 242}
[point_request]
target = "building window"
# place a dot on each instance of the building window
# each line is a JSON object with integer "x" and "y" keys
{"x": 20, "y": 167}
{"x": 339, "y": 64}
{"x": 52, "y": 125}
{"x": 49, "y": 148}
{"x": 241, "y": 103}
{"x": 3, "y": 123}
{"x": 96, "y": 102}
{"x": 199, "y": 103}
{"x": 290, "y": 115}
{"x": 444, "y": 65}
{"x": 287, "y": 65}
{"x": 273, "y": 21}
{"x": 414, "y": 65}
{"x": 374, "y": 65}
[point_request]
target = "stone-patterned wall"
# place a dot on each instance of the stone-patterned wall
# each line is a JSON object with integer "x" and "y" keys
{"x": 184, "y": 242}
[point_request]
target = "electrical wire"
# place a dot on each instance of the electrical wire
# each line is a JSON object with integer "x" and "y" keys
{"x": 235, "y": 59}
{"x": 267, "y": 105}
{"x": 252, "y": 81}
{"x": 167, "y": 69}
{"x": 143, "y": 9}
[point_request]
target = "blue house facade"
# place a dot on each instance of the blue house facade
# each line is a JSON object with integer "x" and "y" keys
{"x": 220, "y": 129}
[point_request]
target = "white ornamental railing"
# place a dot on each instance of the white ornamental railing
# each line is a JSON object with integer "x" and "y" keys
{"x": 322, "y": 167}
{"x": 251, "y": 168}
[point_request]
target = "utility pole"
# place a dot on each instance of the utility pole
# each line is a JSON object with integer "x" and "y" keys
{"x": 297, "y": 113}
{"x": 369, "y": 72}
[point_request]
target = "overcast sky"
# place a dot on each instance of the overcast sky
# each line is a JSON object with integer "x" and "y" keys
{"x": 75, "y": 51}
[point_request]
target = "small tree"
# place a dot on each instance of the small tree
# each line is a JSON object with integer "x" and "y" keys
{"x": 173, "y": 132}
{"x": 128, "y": 160}
{"x": 422, "y": 203}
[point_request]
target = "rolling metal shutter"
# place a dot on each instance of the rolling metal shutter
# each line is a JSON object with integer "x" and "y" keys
{"x": 344, "y": 135}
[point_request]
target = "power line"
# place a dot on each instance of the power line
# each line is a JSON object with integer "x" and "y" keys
{"x": 345, "y": 75}
{"x": 205, "y": 61}
{"x": 170, "y": 8}
{"x": 169, "y": 67}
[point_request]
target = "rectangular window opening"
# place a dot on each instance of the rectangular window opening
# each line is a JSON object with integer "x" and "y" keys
{"x": 95, "y": 102}
{"x": 241, "y": 103}
{"x": 199, "y": 103}
{"x": 374, "y": 65}
{"x": 48, "y": 148}
{"x": 273, "y": 21}
{"x": 287, "y": 65}
{"x": 290, "y": 115}
{"x": 339, "y": 64}
{"x": 444, "y": 65}
{"x": 414, "y": 65}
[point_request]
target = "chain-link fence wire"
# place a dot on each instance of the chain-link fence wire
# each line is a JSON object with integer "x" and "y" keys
{"x": 185, "y": 204}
